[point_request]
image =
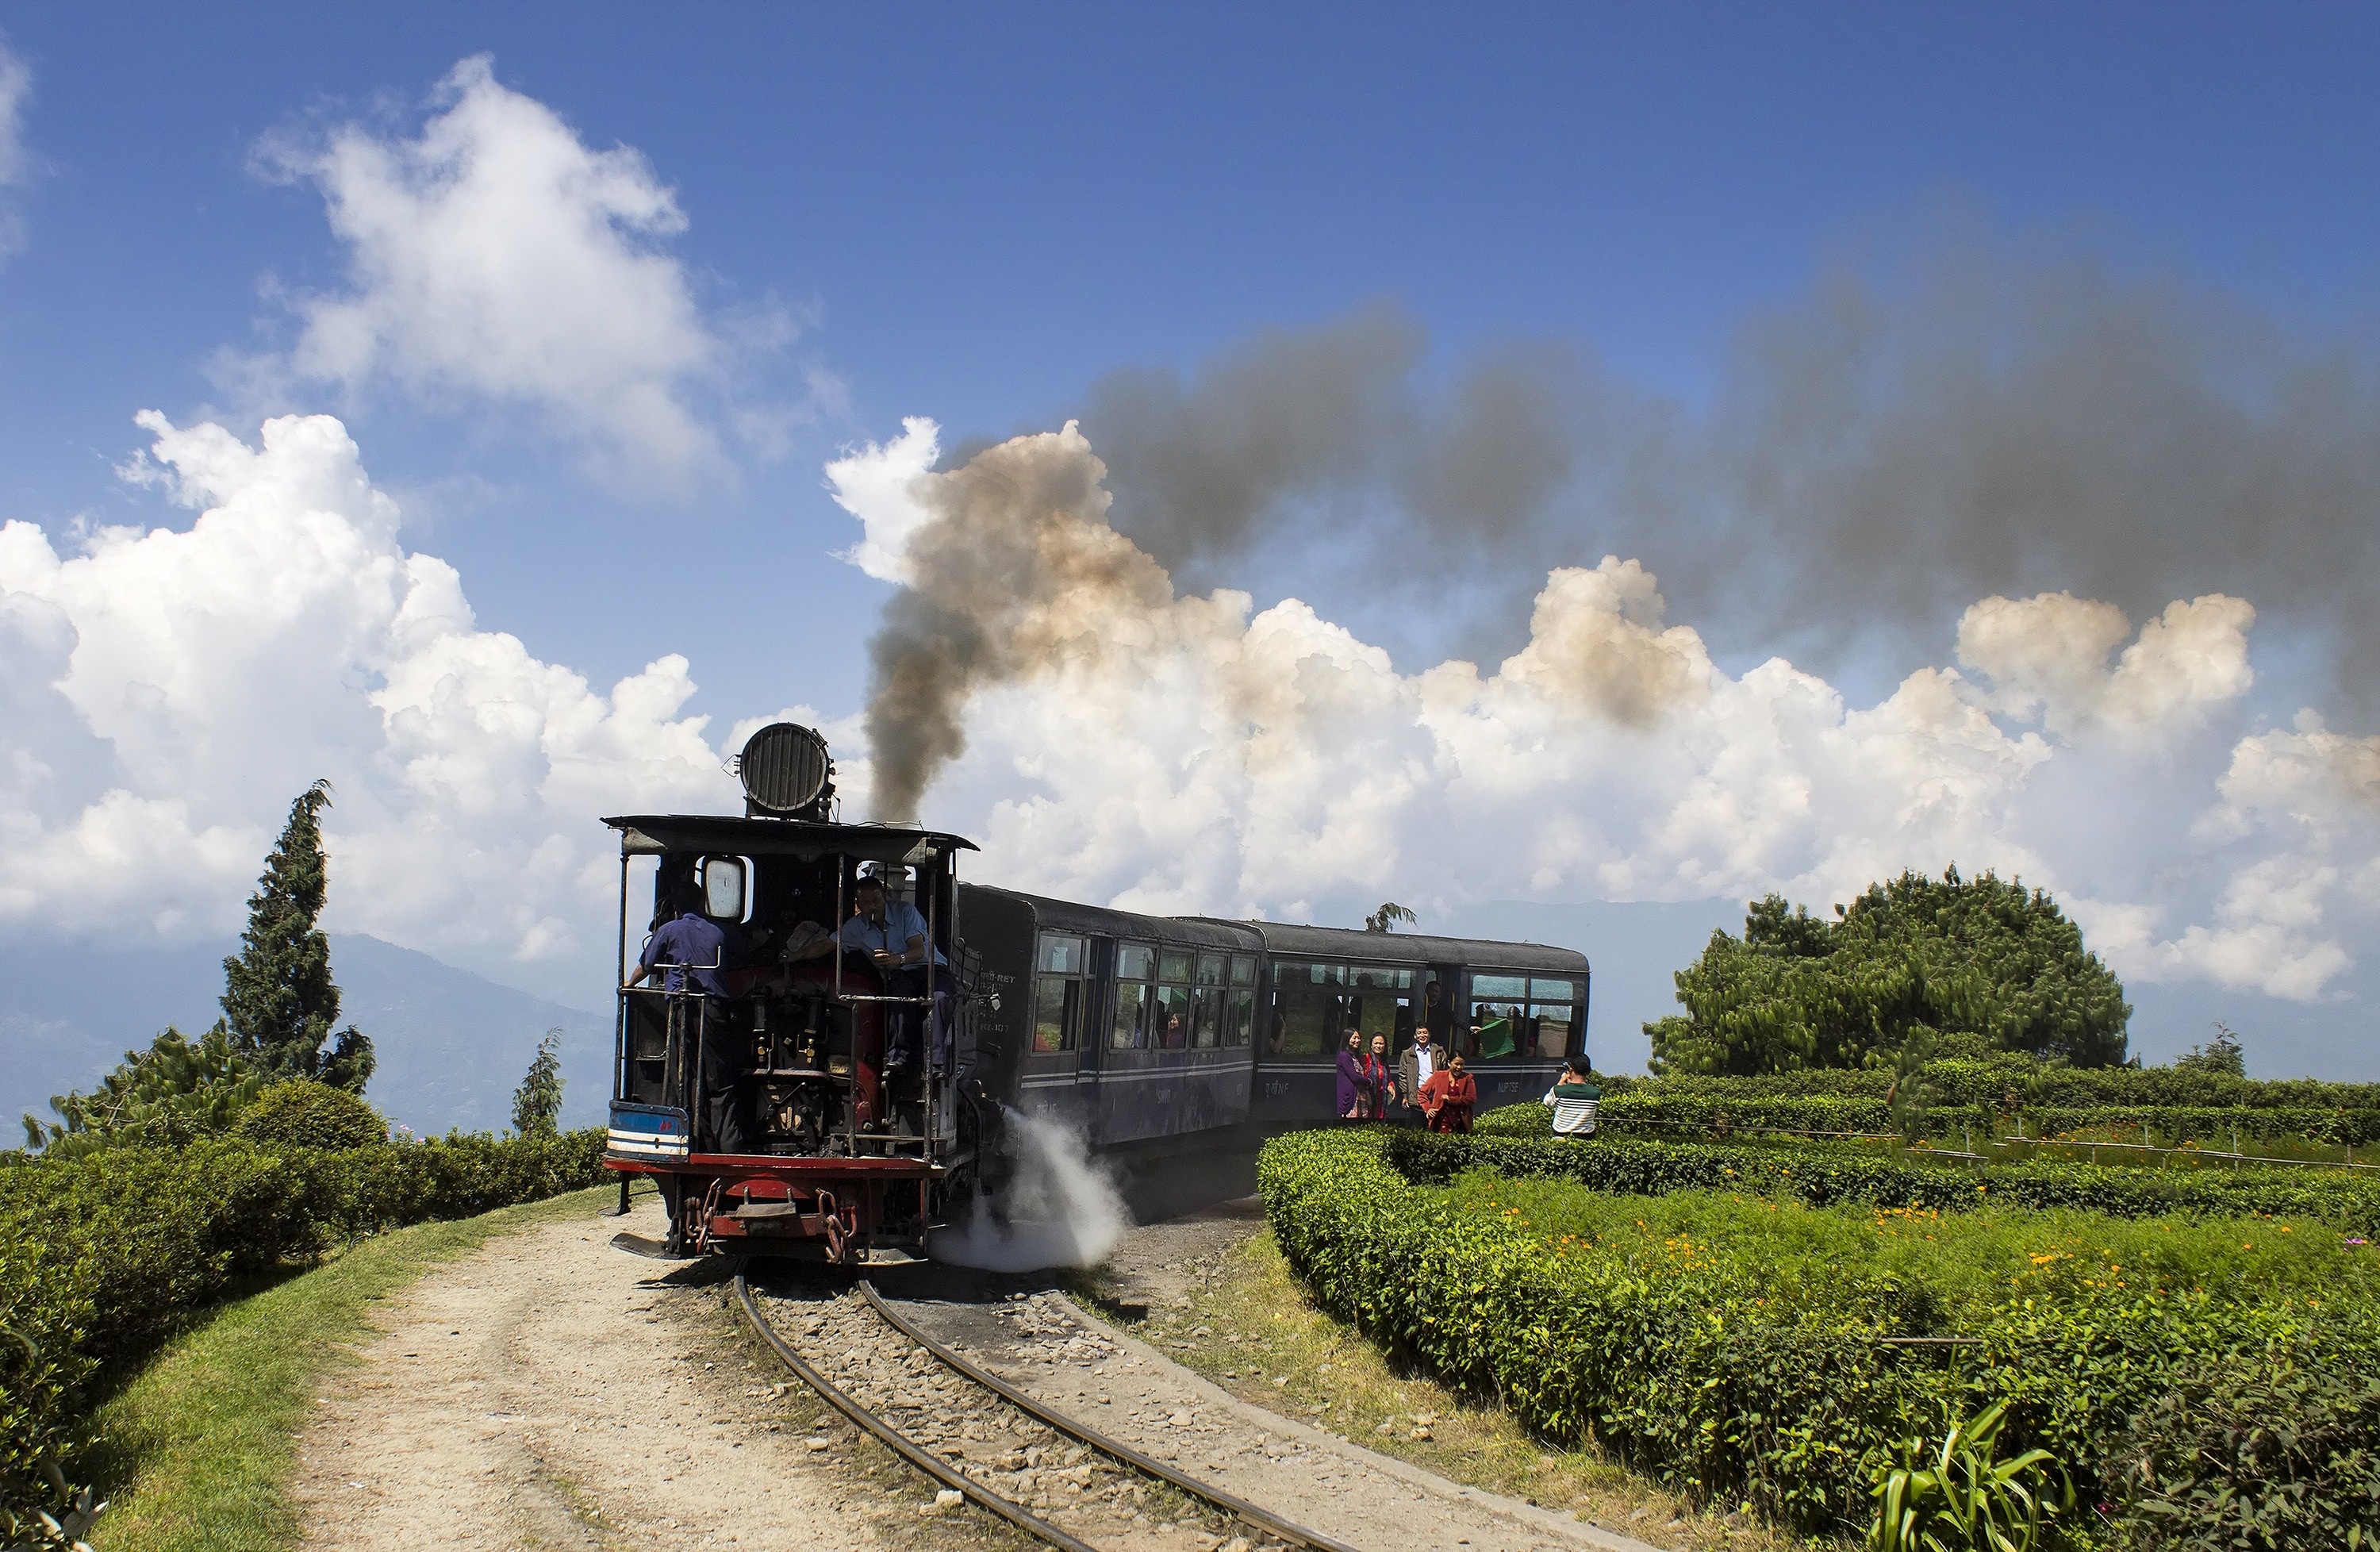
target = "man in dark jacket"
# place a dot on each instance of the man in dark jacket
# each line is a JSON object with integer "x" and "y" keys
{"x": 1420, "y": 1059}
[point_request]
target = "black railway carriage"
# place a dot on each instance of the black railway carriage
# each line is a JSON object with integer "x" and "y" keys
{"x": 1141, "y": 1029}
{"x": 1173, "y": 1043}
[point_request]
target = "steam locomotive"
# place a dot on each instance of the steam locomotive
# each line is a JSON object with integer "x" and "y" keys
{"x": 1174, "y": 1045}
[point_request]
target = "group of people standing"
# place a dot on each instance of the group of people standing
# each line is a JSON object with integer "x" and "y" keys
{"x": 1426, "y": 1087}
{"x": 1430, "y": 1088}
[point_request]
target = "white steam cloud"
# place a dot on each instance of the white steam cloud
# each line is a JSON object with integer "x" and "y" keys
{"x": 1060, "y": 1209}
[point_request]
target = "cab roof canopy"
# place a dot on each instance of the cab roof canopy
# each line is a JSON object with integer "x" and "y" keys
{"x": 651, "y": 834}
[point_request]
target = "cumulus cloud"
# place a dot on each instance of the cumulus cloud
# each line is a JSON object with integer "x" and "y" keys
{"x": 2046, "y": 657}
{"x": 193, "y": 680}
{"x": 1117, "y": 740}
{"x": 496, "y": 255}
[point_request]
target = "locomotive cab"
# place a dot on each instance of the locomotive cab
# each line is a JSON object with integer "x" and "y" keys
{"x": 755, "y": 1089}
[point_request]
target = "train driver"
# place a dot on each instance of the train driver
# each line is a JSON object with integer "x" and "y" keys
{"x": 693, "y": 947}
{"x": 892, "y": 934}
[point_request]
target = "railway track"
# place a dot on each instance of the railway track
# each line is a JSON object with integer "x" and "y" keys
{"x": 908, "y": 1404}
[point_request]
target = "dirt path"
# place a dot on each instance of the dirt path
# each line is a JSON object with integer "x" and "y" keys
{"x": 549, "y": 1391}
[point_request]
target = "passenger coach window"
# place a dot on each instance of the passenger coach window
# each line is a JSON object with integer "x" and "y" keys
{"x": 1525, "y": 1016}
{"x": 1175, "y": 1010}
{"x": 1240, "y": 1016}
{"x": 1306, "y": 1002}
{"x": 1383, "y": 1002}
{"x": 1212, "y": 968}
{"x": 1552, "y": 1006}
{"x": 1498, "y": 1004}
{"x": 1061, "y": 991}
{"x": 1135, "y": 998}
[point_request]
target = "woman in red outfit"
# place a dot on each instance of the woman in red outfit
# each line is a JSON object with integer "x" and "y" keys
{"x": 1448, "y": 1097}
{"x": 1383, "y": 1079}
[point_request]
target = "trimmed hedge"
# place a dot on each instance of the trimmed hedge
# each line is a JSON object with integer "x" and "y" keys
{"x": 104, "y": 1256}
{"x": 302, "y": 1112}
{"x": 1692, "y": 1373}
{"x": 1707, "y": 1110}
{"x": 2008, "y": 1082}
{"x": 1823, "y": 1177}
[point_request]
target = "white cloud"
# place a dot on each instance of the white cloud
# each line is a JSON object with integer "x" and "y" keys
{"x": 496, "y": 255}
{"x": 879, "y": 485}
{"x": 285, "y": 636}
{"x": 1191, "y": 754}
{"x": 166, "y": 692}
{"x": 2046, "y": 656}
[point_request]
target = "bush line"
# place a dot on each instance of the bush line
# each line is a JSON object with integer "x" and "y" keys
{"x": 1694, "y": 1375}
{"x": 1823, "y": 1177}
{"x": 104, "y": 1256}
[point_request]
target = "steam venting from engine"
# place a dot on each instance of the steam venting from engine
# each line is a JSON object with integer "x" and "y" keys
{"x": 1060, "y": 1209}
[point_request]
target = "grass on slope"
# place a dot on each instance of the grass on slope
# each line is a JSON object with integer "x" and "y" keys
{"x": 198, "y": 1445}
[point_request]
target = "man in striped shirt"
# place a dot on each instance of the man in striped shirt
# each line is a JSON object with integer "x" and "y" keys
{"x": 1573, "y": 1102}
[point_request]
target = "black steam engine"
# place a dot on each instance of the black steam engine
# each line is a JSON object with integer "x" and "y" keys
{"x": 754, "y": 1084}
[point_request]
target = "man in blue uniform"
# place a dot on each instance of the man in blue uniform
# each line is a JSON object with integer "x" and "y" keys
{"x": 892, "y": 934}
{"x": 692, "y": 947}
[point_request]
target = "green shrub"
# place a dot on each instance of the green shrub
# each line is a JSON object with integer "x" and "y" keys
{"x": 1698, "y": 1368}
{"x": 1819, "y": 1175}
{"x": 1965, "y": 1496}
{"x": 1988, "y": 964}
{"x": 103, "y": 1258}
{"x": 303, "y": 1112}
{"x": 1709, "y": 1108}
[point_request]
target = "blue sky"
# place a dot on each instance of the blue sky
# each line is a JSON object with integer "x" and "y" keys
{"x": 979, "y": 215}
{"x": 981, "y": 210}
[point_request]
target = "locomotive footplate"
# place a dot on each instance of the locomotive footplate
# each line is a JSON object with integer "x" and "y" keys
{"x": 837, "y": 1208}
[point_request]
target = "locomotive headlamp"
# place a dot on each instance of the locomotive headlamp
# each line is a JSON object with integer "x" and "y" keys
{"x": 786, "y": 772}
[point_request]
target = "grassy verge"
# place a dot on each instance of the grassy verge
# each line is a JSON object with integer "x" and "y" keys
{"x": 198, "y": 1445}
{"x": 1253, "y": 1330}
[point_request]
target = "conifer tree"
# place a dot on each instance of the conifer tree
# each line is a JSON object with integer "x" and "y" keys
{"x": 536, "y": 1104}
{"x": 278, "y": 995}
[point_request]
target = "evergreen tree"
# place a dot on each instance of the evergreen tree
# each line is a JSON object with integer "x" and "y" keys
{"x": 1945, "y": 965}
{"x": 278, "y": 995}
{"x": 2220, "y": 1055}
{"x": 164, "y": 1096}
{"x": 536, "y": 1104}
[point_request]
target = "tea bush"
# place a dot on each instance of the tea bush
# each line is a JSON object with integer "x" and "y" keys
{"x": 304, "y": 1113}
{"x": 1694, "y": 1364}
{"x": 103, "y": 1258}
{"x": 1717, "y": 1109}
{"x": 1821, "y": 1175}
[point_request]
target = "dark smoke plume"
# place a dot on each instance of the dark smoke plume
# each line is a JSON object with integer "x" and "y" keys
{"x": 1017, "y": 568}
{"x": 1874, "y": 461}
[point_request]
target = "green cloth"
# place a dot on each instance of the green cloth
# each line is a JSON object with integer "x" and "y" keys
{"x": 1577, "y": 1091}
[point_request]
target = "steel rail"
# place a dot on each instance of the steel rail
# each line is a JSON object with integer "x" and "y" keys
{"x": 1238, "y": 1508}
{"x": 940, "y": 1471}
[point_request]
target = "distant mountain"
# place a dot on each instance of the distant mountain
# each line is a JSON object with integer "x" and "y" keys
{"x": 453, "y": 1046}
